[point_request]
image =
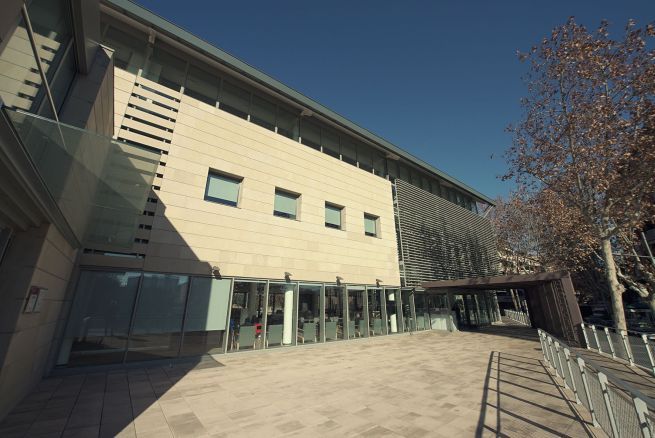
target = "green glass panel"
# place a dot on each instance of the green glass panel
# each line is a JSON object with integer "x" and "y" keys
{"x": 208, "y": 304}
{"x": 235, "y": 100}
{"x": 286, "y": 203}
{"x": 330, "y": 142}
{"x": 310, "y": 133}
{"x": 100, "y": 185}
{"x": 349, "y": 151}
{"x": 202, "y": 85}
{"x": 165, "y": 68}
{"x": 223, "y": 188}
{"x": 370, "y": 224}
{"x": 262, "y": 113}
{"x": 287, "y": 123}
{"x": 333, "y": 215}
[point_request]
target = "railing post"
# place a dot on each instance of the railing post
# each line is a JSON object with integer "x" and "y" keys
{"x": 650, "y": 353}
{"x": 560, "y": 369}
{"x": 586, "y": 339}
{"x": 602, "y": 378}
{"x": 609, "y": 341}
{"x": 626, "y": 345}
{"x": 583, "y": 373}
{"x": 642, "y": 410}
{"x": 567, "y": 355}
{"x": 593, "y": 330}
{"x": 552, "y": 355}
{"x": 541, "y": 341}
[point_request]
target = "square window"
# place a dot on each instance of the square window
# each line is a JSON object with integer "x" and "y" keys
{"x": 333, "y": 214}
{"x": 371, "y": 225}
{"x": 222, "y": 188}
{"x": 286, "y": 204}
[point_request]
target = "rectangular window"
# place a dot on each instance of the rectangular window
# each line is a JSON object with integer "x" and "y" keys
{"x": 202, "y": 85}
{"x": 223, "y": 189}
{"x": 165, "y": 67}
{"x": 262, "y": 113}
{"x": 333, "y": 215}
{"x": 365, "y": 157}
{"x": 286, "y": 204}
{"x": 379, "y": 164}
{"x": 348, "y": 151}
{"x": 310, "y": 134}
{"x": 371, "y": 225}
{"x": 235, "y": 100}
{"x": 330, "y": 143}
{"x": 287, "y": 123}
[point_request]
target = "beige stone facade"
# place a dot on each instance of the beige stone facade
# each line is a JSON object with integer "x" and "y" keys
{"x": 190, "y": 235}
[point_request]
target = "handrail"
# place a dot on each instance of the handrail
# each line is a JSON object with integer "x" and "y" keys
{"x": 616, "y": 406}
{"x": 521, "y": 317}
{"x": 636, "y": 350}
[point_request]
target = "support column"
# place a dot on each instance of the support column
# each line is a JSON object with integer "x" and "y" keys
{"x": 287, "y": 330}
{"x": 393, "y": 320}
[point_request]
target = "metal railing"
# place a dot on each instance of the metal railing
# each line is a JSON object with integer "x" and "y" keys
{"x": 616, "y": 407}
{"x": 521, "y": 317}
{"x": 633, "y": 347}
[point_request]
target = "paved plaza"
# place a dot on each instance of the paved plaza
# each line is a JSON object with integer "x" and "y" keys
{"x": 428, "y": 384}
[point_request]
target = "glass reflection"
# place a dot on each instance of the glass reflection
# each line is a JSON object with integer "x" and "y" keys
{"x": 206, "y": 316}
{"x": 157, "y": 326}
{"x": 375, "y": 315}
{"x": 279, "y": 320}
{"x": 422, "y": 315}
{"x": 357, "y": 325}
{"x": 246, "y": 317}
{"x": 393, "y": 316}
{"x": 100, "y": 318}
{"x": 333, "y": 313}
{"x": 309, "y": 313}
{"x": 408, "y": 316}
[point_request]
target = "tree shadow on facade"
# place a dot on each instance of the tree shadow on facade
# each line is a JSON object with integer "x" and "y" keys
{"x": 521, "y": 399}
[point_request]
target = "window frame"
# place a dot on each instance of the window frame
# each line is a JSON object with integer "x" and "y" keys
{"x": 218, "y": 173}
{"x": 376, "y": 221}
{"x": 283, "y": 214}
{"x": 341, "y": 216}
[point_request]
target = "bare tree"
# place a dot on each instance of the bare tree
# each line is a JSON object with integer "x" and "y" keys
{"x": 587, "y": 134}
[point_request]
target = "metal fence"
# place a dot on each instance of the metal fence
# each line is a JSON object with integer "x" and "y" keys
{"x": 615, "y": 406}
{"x": 633, "y": 347}
{"x": 521, "y": 317}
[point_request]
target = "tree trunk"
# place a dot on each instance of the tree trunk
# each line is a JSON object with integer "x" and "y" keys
{"x": 651, "y": 303}
{"x": 616, "y": 290}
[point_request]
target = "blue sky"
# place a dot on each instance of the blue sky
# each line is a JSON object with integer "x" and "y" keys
{"x": 437, "y": 78}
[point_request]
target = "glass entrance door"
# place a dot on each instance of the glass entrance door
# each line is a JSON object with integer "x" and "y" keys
{"x": 375, "y": 313}
{"x": 394, "y": 318}
{"x": 357, "y": 317}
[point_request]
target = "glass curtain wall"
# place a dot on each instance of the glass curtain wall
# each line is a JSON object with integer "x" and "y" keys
{"x": 392, "y": 302}
{"x": 334, "y": 313}
{"x": 99, "y": 321}
{"x": 407, "y": 296}
{"x": 157, "y": 326}
{"x": 376, "y": 312}
{"x": 422, "y": 313}
{"x": 280, "y": 321}
{"x": 357, "y": 315}
{"x": 247, "y": 315}
{"x": 309, "y": 313}
{"x": 206, "y": 316}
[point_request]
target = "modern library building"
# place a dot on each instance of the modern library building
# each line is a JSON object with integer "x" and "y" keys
{"x": 160, "y": 198}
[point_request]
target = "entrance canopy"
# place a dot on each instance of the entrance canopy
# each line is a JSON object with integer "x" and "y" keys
{"x": 550, "y": 298}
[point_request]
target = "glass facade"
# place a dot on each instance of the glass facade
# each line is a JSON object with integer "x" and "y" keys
{"x": 178, "y": 71}
{"x": 124, "y": 316}
{"x": 334, "y": 313}
{"x": 53, "y": 32}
